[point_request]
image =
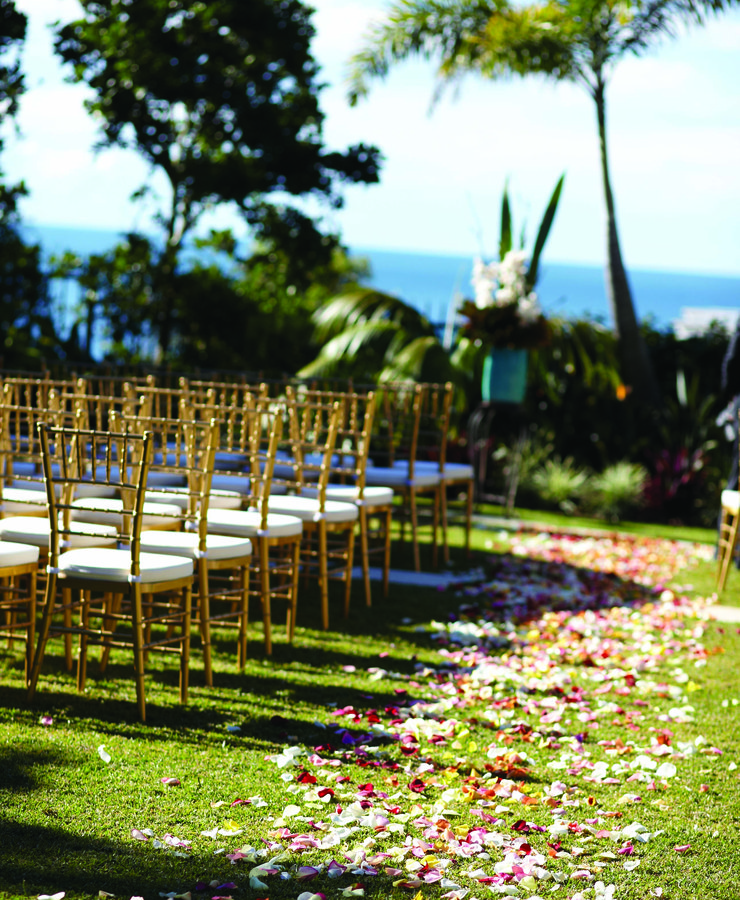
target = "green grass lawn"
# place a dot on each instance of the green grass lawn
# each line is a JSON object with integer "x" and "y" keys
{"x": 525, "y": 762}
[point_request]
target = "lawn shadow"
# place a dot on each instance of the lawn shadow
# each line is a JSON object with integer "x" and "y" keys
{"x": 37, "y": 859}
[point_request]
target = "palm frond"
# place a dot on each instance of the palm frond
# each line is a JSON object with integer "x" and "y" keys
{"x": 543, "y": 232}
{"x": 364, "y": 304}
{"x": 441, "y": 29}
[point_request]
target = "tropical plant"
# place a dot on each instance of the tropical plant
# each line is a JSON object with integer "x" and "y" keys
{"x": 559, "y": 482}
{"x": 566, "y": 40}
{"x": 617, "y": 490}
{"x": 506, "y": 311}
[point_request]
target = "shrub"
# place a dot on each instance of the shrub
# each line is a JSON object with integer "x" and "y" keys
{"x": 560, "y": 483}
{"x": 616, "y": 490}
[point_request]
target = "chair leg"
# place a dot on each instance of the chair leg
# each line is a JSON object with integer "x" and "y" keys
{"x": 350, "y": 561}
{"x": 84, "y": 625}
{"x": 43, "y": 636}
{"x": 415, "y": 530}
{"x": 204, "y": 619}
{"x": 387, "y": 550}
{"x": 445, "y": 545}
{"x": 138, "y": 636}
{"x": 323, "y": 575}
{"x": 67, "y": 604}
{"x": 726, "y": 547}
{"x": 31, "y": 633}
{"x": 187, "y": 602}
{"x": 293, "y": 608}
{"x": 264, "y": 552}
{"x": 435, "y": 524}
{"x": 468, "y": 515}
{"x": 112, "y": 604}
{"x": 364, "y": 550}
{"x": 241, "y": 652}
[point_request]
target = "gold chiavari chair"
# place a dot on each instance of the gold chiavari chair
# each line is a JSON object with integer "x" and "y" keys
{"x": 251, "y": 430}
{"x": 221, "y": 562}
{"x": 122, "y": 597}
{"x": 347, "y": 476}
{"x": 393, "y": 458}
{"x": 327, "y": 549}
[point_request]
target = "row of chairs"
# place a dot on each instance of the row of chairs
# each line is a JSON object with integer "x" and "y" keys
{"x": 228, "y": 444}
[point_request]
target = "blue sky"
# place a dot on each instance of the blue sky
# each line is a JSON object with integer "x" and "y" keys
{"x": 674, "y": 135}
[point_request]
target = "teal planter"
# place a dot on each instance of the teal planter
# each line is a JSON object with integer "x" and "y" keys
{"x": 505, "y": 375}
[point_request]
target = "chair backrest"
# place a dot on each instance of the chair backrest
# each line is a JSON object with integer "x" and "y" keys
{"x": 249, "y": 436}
{"x": 396, "y": 430}
{"x": 354, "y": 431}
{"x": 71, "y": 456}
{"x": 183, "y": 448}
{"x": 20, "y": 445}
{"x": 434, "y": 423}
{"x": 311, "y": 446}
{"x": 34, "y": 391}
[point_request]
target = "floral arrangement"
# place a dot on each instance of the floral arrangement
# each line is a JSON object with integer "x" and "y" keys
{"x": 505, "y": 311}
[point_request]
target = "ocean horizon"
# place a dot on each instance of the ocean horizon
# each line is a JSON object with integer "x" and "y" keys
{"x": 433, "y": 282}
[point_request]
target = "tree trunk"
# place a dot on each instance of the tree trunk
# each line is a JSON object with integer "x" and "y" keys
{"x": 637, "y": 371}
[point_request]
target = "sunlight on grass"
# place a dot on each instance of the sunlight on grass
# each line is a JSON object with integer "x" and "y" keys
{"x": 549, "y": 726}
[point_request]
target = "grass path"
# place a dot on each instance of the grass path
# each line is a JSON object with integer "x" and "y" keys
{"x": 564, "y": 723}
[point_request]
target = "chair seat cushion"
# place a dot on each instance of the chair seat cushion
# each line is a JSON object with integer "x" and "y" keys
{"x": 106, "y": 511}
{"x": 248, "y": 523}
{"x": 235, "y": 483}
{"x": 731, "y": 501}
{"x": 24, "y": 495}
{"x": 450, "y": 472}
{"x": 348, "y": 493}
{"x": 398, "y": 476}
{"x": 13, "y": 554}
{"x": 308, "y": 509}
{"x": 35, "y": 530}
{"x": 115, "y": 565}
{"x": 154, "y": 478}
{"x": 185, "y": 543}
{"x": 180, "y": 496}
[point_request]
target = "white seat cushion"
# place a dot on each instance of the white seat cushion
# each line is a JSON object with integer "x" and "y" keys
{"x": 248, "y": 522}
{"x": 398, "y": 476}
{"x": 115, "y": 565}
{"x": 307, "y": 508}
{"x": 185, "y": 543}
{"x": 154, "y": 478}
{"x": 106, "y": 511}
{"x": 35, "y": 530}
{"x": 24, "y": 495}
{"x": 237, "y": 483}
{"x": 12, "y": 554}
{"x": 731, "y": 501}
{"x": 94, "y": 490}
{"x": 179, "y": 496}
{"x": 451, "y": 471}
{"x": 348, "y": 493}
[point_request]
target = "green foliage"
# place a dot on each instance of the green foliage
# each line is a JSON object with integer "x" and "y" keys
{"x": 221, "y": 98}
{"x": 571, "y": 40}
{"x": 370, "y": 335}
{"x": 560, "y": 482}
{"x": 26, "y": 325}
{"x": 617, "y": 490}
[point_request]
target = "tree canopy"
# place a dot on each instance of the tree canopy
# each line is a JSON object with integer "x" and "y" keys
{"x": 222, "y": 97}
{"x": 572, "y": 40}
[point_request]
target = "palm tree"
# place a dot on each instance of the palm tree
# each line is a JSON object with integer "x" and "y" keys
{"x": 565, "y": 40}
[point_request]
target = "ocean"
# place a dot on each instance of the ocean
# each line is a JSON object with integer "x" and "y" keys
{"x": 430, "y": 283}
